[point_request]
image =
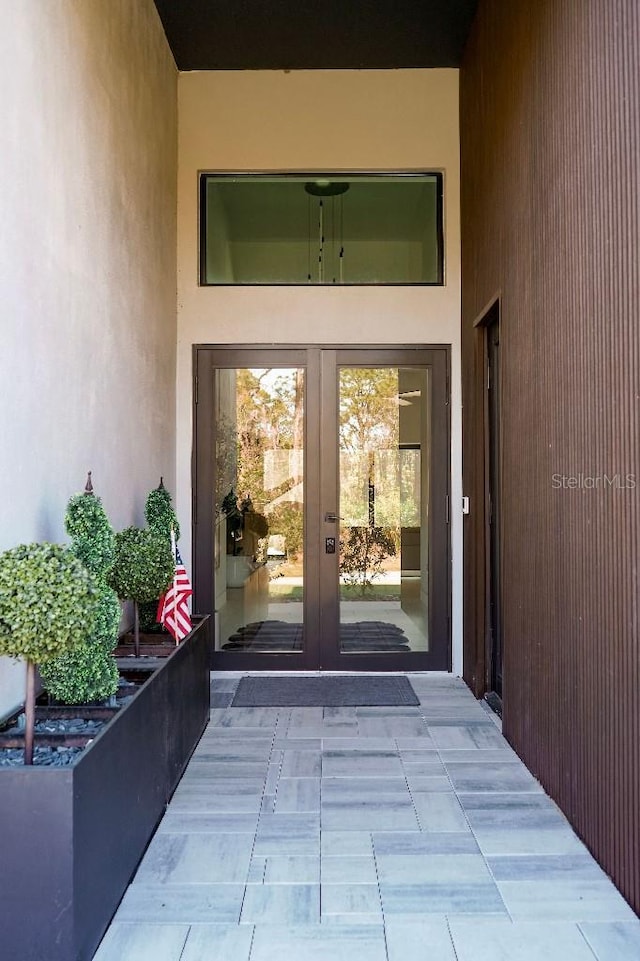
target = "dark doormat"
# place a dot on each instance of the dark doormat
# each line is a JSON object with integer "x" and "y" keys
{"x": 361, "y": 637}
{"x": 356, "y": 691}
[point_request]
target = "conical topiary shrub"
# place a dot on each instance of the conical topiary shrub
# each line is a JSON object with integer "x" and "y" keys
{"x": 159, "y": 512}
{"x": 47, "y": 607}
{"x": 161, "y": 518}
{"x": 89, "y": 672}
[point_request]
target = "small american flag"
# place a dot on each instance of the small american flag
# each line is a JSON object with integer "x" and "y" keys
{"x": 173, "y": 609}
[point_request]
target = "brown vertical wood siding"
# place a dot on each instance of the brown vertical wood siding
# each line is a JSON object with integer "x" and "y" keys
{"x": 550, "y": 118}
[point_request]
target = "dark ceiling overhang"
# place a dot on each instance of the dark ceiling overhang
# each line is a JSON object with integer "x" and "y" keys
{"x": 307, "y": 35}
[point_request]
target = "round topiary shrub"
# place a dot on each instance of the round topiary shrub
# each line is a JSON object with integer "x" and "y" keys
{"x": 143, "y": 565}
{"x": 47, "y": 602}
{"x": 142, "y": 569}
{"x": 87, "y": 673}
{"x": 47, "y": 607}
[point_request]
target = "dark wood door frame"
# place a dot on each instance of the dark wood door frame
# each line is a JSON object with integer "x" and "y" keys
{"x": 316, "y": 609}
{"x": 478, "y": 669}
{"x": 203, "y": 483}
{"x": 439, "y": 531}
{"x": 494, "y": 637}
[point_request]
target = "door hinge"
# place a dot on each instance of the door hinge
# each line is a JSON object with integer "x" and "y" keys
{"x": 195, "y": 389}
{"x": 488, "y": 376}
{"x": 446, "y": 508}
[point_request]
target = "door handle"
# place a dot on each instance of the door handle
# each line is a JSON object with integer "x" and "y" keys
{"x": 332, "y": 518}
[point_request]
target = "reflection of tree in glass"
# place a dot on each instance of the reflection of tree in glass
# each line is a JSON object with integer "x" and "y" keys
{"x": 370, "y": 477}
{"x": 410, "y": 488}
{"x": 287, "y": 519}
{"x": 225, "y": 457}
{"x": 369, "y": 429}
{"x": 369, "y": 440}
{"x": 362, "y": 554}
{"x": 270, "y": 411}
{"x": 368, "y": 408}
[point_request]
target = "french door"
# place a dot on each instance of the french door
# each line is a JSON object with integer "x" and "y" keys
{"x": 321, "y": 507}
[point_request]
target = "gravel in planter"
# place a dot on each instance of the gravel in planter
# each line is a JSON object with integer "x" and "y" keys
{"x": 58, "y": 756}
{"x": 42, "y": 756}
{"x": 70, "y": 725}
{"x": 61, "y": 755}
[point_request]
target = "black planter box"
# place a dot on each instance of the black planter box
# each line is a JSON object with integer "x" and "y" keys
{"x": 71, "y": 838}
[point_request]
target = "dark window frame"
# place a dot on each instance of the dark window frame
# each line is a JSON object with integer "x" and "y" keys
{"x": 205, "y": 175}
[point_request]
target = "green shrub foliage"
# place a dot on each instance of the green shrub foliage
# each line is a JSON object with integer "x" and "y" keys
{"x": 148, "y": 617}
{"x": 47, "y": 602}
{"x": 159, "y": 513}
{"x": 91, "y": 533}
{"x": 143, "y": 565}
{"x": 107, "y": 622}
{"x": 89, "y": 673}
{"x": 160, "y": 517}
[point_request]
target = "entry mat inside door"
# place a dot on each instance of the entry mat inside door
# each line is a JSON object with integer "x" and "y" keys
{"x": 372, "y": 637}
{"x": 327, "y": 691}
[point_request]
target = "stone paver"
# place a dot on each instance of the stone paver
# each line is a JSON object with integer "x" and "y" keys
{"x": 387, "y": 834}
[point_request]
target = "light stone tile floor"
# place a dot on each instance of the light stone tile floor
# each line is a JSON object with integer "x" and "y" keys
{"x": 381, "y": 834}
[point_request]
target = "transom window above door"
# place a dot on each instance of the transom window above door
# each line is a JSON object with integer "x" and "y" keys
{"x": 326, "y": 229}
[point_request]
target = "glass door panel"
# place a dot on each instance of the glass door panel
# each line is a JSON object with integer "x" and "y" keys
{"x": 259, "y": 509}
{"x": 384, "y": 417}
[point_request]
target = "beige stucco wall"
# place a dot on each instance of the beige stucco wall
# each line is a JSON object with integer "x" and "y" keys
{"x": 88, "y": 116}
{"x": 318, "y": 121}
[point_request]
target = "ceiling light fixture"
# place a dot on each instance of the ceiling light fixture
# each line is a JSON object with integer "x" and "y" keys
{"x": 324, "y": 188}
